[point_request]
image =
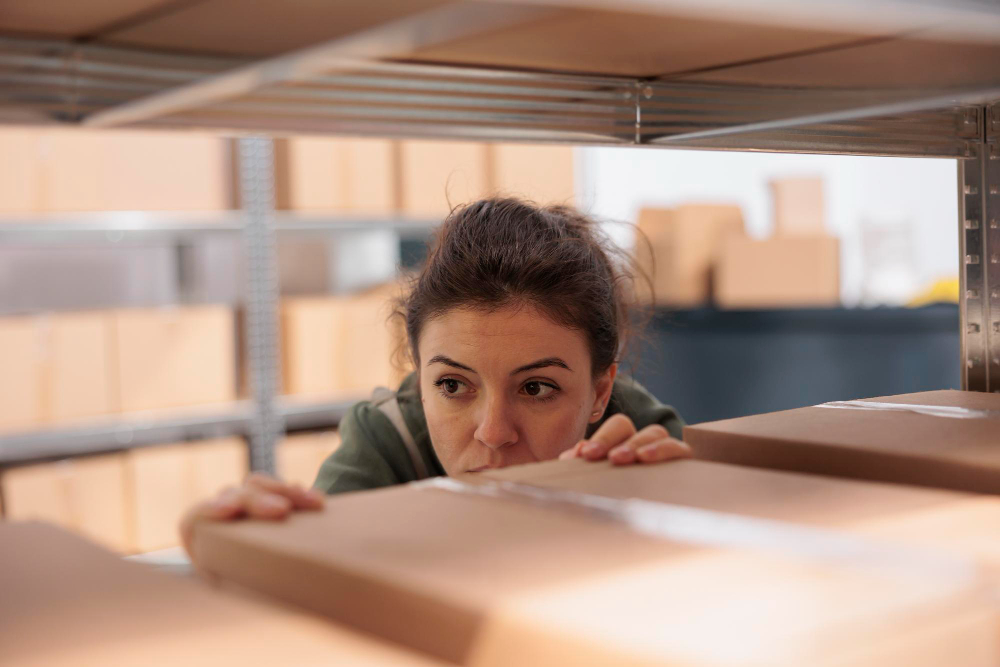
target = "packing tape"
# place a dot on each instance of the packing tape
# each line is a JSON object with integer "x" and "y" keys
{"x": 931, "y": 410}
{"x": 711, "y": 528}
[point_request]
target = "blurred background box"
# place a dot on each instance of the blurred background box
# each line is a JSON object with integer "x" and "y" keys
{"x": 21, "y": 395}
{"x": 79, "y": 379}
{"x": 779, "y": 273}
{"x": 798, "y": 206}
{"x": 336, "y": 175}
{"x": 174, "y": 357}
{"x": 162, "y": 482}
{"x": 438, "y": 175}
{"x": 683, "y": 245}
{"x": 86, "y": 495}
{"x": 542, "y": 174}
{"x": 83, "y": 170}
{"x": 313, "y": 334}
{"x": 300, "y": 456}
{"x": 341, "y": 346}
{"x": 20, "y": 176}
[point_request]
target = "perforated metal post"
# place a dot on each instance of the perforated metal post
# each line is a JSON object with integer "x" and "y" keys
{"x": 256, "y": 155}
{"x": 979, "y": 256}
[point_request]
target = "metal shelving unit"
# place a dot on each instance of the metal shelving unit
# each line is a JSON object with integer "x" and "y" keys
{"x": 881, "y": 77}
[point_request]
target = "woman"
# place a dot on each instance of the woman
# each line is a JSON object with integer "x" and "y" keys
{"x": 515, "y": 325}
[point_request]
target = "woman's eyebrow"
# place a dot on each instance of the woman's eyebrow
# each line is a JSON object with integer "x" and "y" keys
{"x": 542, "y": 363}
{"x": 448, "y": 361}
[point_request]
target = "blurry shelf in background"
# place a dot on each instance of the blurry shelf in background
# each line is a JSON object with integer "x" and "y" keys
{"x": 116, "y": 227}
{"x": 153, "y": 428}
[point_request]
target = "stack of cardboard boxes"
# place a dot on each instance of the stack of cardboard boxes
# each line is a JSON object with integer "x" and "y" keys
{"x": 697, "y": 254}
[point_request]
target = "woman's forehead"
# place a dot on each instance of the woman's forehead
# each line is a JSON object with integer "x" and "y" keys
{"x": 507, "y": 336}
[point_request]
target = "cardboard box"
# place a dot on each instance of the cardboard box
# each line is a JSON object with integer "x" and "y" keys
{"x": 943, "y": 521}
{"x": 542, "y": 174}
{"x": 792, "y": 272}
{"x": 86, "y": 495}
{"x": 164, "y": 481}
{"x": 81, "y": 170}
{"x": 484, "y": 580}
{"x": 437, "y": 176}
{"x": 20, "y": 182}
{"x": 22, "y": 404}
{"x": 336, "y": 175}
{"x": 798, "y": 207}
{"x": 174, "y": 357}
{"x": 683, "y": 246}
{"x": 79, "y": 382}
{"x": 884, "y": 445}
{"x": 67, "y": 602}
{"x": 300, "y": 456}
{"x": 342, "y": 346}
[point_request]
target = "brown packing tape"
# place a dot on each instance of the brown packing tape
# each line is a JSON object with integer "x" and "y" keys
{"x": 710, "y": 528}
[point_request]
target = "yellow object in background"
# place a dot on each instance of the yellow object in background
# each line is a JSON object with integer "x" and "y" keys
{"x": 942, "y": 291}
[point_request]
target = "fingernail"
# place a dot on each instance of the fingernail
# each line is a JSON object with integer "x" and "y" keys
{"x": 621, "y": 453}
{"x": 651, "y": 452}
{"x": 590, "y": 448}
{"x": 273, "y": 503}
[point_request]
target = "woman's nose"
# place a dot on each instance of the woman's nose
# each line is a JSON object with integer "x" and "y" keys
{"x": 496, "y": 428}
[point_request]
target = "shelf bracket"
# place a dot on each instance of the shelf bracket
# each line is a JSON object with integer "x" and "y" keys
{"x": 979, "y": 255}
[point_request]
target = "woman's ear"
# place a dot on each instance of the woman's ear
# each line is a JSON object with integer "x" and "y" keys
{"x": 603, "y": 385}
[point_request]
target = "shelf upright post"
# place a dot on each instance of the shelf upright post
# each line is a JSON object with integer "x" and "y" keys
{"x": 979, "y": 255}
{"x": 256, "y": 161}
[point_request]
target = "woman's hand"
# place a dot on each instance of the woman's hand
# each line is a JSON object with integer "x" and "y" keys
{"x": 619, "y": 442}
{"x": 260, "y": 497}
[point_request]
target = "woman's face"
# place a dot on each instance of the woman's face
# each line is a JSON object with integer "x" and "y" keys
{"x": 506, "y": 387}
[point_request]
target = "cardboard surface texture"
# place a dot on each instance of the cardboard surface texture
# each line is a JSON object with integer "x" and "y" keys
{"x": 438, "y": 175}
{"x": 162, "y": 482}
{"x": 880, "y": 445}
{"x": 962, "y": 524}
{"x": 684, "y": 244}
{"x": 85, "y": 495}
{"x": 487, "y": 581}
{"x": 174, "y": 357}
{"x": 68, "y": 603}
{"x": 798, "y": 207}
{"x": 790, "y": 272}
{"x": 21, "y": 393}
{"x": 336, "y": 175}
{"x": 299, "y": 457}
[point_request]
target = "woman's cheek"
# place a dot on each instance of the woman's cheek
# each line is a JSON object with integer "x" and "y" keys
{"x": 555, "y": 433}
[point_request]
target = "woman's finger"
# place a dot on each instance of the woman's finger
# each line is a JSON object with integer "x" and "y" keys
{"x": 300, "y": 498}
{"x": 625, "y": 452}
{"x": 665, "y": 449}
{"x": 614, "y": 431}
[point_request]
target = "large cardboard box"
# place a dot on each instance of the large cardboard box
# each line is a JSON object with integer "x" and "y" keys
{"x": 173, "y": 357}
{"x": 437, "y": 176}
{"x": 336, "y": 175}
{"x": 790, "y": 272}
{"x": 481, "y": 578}
{"x": 954, "y": 523}
{"x": 86, "y": 495}
{"x": 162, "y": 482}
{"x": 83, "y": 170}
{"x": 67, "y": 602}
{"x": 22, "y": 403}
{"x": 678, "y": 247}
{"x": 943, "y": 439}
{"x": 300, "y": 456}
{"x": 798, "y": 206}
{"x": 542, "y": 174}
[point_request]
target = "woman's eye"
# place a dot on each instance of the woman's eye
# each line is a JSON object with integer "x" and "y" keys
{"x": 537, "y": 389}
{"x": 452, "y": 387}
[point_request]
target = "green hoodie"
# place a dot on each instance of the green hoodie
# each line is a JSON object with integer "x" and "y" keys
{"x": 373, "y": 454}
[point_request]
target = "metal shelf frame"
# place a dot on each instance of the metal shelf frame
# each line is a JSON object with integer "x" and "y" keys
{"x": 374, "y": 82}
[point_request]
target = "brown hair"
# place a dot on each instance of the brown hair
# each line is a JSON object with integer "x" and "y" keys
{"x": 500, "y": 252}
